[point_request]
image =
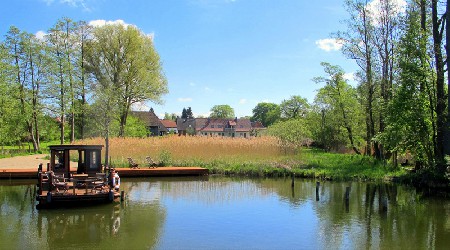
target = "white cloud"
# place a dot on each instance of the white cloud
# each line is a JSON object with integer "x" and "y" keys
{"x": 100, "y": 22}
{"x": 192, "y": 84}
{"x": 329, "y": 44}
{"x": 376, "y": 9}
{"x": 40, "y": 35}
{"x": 207, "y": 89}
{"x": 349, "y": 76}
{"x": 140, "y": 106}
{"x": 187, "y": 99}
{"x": 243, "y": 101}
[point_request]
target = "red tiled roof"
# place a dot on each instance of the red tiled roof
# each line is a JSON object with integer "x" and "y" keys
{"x": 169, "y": 123}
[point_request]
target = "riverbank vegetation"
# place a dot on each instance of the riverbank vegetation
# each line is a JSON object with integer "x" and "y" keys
{"x": 260, "y": 156}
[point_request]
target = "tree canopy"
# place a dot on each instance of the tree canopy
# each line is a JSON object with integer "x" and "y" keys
{"x": 222, "y": 111}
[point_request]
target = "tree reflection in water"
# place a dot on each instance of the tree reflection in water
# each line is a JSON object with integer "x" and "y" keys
{"x": 231, "y": 213}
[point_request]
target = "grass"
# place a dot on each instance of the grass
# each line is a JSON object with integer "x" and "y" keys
{"x": 260, "y": 156}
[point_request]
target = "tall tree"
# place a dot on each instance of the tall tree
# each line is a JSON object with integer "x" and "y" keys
{"x": 358, "y": 45}
{"x": 410, "y": 113}
{"x": 82, "y": 35}
{"x": 27, "y": 58}
{"x": 222, "y": 111}
{"x": 294, "y": 107}
{"x": 266, "y": 113}
{"x": 437, "y": 30}
{"x": 342, "y": 98}
{"x": 126, "y": 57}
{"x": 59, "y": 39}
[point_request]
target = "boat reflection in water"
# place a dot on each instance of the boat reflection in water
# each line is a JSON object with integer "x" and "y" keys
{"x": 74, "y": 227}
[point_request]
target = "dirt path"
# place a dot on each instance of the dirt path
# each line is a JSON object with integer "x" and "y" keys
{"x": 24, "y": 162}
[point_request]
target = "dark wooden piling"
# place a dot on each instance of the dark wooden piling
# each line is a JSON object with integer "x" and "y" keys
{"x": 347, "y": 193}
{"x": 292, "y": 182}
{"x": 347, "y": 199}
{"x": 317, "y": 190}
{"x": 122, "y": 195}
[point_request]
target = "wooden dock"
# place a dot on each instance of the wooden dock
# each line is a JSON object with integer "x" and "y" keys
{"x": 123, "y": 172}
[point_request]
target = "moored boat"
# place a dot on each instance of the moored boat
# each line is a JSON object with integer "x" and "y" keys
{"x": 91, "y": 183}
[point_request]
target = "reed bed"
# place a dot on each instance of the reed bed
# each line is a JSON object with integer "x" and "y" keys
{"x": 260, "y": 156}
{"x": 184, "y": 150}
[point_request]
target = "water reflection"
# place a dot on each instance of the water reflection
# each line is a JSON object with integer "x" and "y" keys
{"x": 218, "y": 212}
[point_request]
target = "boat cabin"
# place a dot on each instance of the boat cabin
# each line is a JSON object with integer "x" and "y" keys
{"x": 59, "y": 184}
{"x": 89, "y": 159}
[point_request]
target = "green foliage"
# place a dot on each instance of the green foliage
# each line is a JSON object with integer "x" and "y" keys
{"x": 165, "y": 158}
{"x": 409, "y": 120}
{"x": 294, "y": 107}
{"x": 291, "y": 133}
{"x": 135, "y": 128}
{"x": 136, "y": 77}
{"x": 339, "y": 105}
{"x": 222, "y": 111}
{"x": 266, "y": 113}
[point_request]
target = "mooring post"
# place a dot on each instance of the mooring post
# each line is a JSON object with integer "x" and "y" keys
{"x": 347, "y": 193}
{"x": 347, "y": 199}
{"x": 293, "y": 176}
{"x": 122, "y": 195}
{"x": 317, "y": 190}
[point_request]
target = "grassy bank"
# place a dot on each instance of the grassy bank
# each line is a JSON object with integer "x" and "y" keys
{"x": 250, "y": 157}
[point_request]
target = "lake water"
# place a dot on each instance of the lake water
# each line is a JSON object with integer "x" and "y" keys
{"x": 230, "y": 213}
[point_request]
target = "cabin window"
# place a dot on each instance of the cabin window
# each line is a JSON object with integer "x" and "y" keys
{"x": 94, "y": 159}
{"x": 59, "y": 159}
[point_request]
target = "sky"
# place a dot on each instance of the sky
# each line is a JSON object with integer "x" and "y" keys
{"x": 214, "y": 52}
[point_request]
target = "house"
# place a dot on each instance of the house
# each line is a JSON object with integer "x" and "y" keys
{"x": 218, "y": 127}
{"x": 153, "y": 124}
{"x": 171, "y": 126}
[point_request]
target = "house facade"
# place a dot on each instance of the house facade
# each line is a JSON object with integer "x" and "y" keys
{"x": 154, "y": 125}
{"x": 213, "y": 127}
{"x": 243, "y": 128}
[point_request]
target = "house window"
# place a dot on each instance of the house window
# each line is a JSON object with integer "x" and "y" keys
{"x": 212, "y": 126}
{"x": 242, "y": 126}
{"x": 219, "y": 126}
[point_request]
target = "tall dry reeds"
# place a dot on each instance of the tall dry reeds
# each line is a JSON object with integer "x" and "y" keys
{"x": 190, "y": 148}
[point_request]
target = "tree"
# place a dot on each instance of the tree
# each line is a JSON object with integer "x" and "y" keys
{"x": 222, "y": 111}
{"x": 168, "y": 116}
{"x": 187, "y": 113}
{"x": 410, "y": 118}
{"x": 28, "y": 62}
{"x": 62, "y": 52}
{"x": 358, "y": 44}
{"x": 266, "y": 113}
{"x": 292, "y": 134}
{"x": 125, "y": 57}
{"x": 341, "y": 98}
{"x": 295, "y": 107}
{"x": 437, "y": 31}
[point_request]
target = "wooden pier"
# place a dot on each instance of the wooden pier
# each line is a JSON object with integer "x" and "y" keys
{"x": 123, "y": 172}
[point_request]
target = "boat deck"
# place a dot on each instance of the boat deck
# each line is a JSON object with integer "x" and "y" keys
{"x": 123, "y": 172}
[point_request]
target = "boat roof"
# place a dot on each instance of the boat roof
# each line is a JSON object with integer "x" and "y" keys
{"x": 75, "y": 147}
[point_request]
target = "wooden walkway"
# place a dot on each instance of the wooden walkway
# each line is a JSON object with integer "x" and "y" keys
{"x": 123, "y": 172}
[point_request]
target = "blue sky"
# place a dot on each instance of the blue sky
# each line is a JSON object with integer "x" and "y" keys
{"x": 214, "y": 52}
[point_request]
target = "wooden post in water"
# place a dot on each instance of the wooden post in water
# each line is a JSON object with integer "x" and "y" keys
{"x": 347, "y": 193}
{"x": 317, "y": 190}
{"x": 347, "y": 199}
{"x": 293, "y": 176}
{"x": 122, "y": 195}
